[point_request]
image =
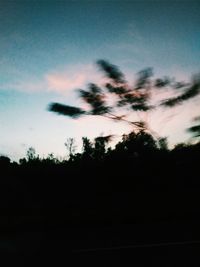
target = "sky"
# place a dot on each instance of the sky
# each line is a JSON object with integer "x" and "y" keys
{"x": 49, "y": 48}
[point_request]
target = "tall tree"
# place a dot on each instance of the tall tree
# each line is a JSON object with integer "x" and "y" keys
{"x": 135, "y": 98}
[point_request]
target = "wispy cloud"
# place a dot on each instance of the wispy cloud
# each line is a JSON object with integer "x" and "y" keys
{"x": 72, "y": 77}
{"x": 59, "y": 81}
{"x": 62, "y": 83}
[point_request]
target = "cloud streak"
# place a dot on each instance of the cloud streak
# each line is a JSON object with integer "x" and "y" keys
{"x": 62, "y": 83}
{"x": 58, "y": 81}
{"x": 75, "y": 77}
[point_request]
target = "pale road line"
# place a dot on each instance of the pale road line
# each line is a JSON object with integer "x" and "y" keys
{"x": 138, "y": 246}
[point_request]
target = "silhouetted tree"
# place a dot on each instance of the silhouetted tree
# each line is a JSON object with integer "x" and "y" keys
{"x": 100, "y": 146}
{"x": 51, "y": 159}
{"x": 136, "y": 97}
{"x": 71, "y": 147}
{"x": 87, "y": 148}
{"x": 4, "y": 160}
{"x": 137, "y": 143}
{"x": 31, "y": 153}
{"x": 162, "y": 143}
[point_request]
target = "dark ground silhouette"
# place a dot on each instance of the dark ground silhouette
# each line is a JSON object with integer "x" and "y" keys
{"x": 103, "y": 203}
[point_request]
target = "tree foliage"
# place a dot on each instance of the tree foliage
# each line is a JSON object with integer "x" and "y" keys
{"x": 70, "y": 146}
{"x": 136, "y": 97}
{"x": 195, "y": 130}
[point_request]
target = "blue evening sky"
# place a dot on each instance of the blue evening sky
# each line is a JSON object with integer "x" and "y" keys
{"x": 48, "y": 48}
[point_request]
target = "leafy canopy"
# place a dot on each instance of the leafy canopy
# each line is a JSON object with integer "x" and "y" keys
{"x": 133, "y": 98}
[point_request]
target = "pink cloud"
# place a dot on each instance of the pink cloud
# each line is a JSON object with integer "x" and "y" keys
{"x": 69, "y": 79}
{"x": 62, "y": 83}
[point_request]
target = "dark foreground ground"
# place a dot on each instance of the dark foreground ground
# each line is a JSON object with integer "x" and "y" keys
{"x": 152, "y": 244}
{"x": 141, "y": 228}
{"x": 122, "y": 211}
